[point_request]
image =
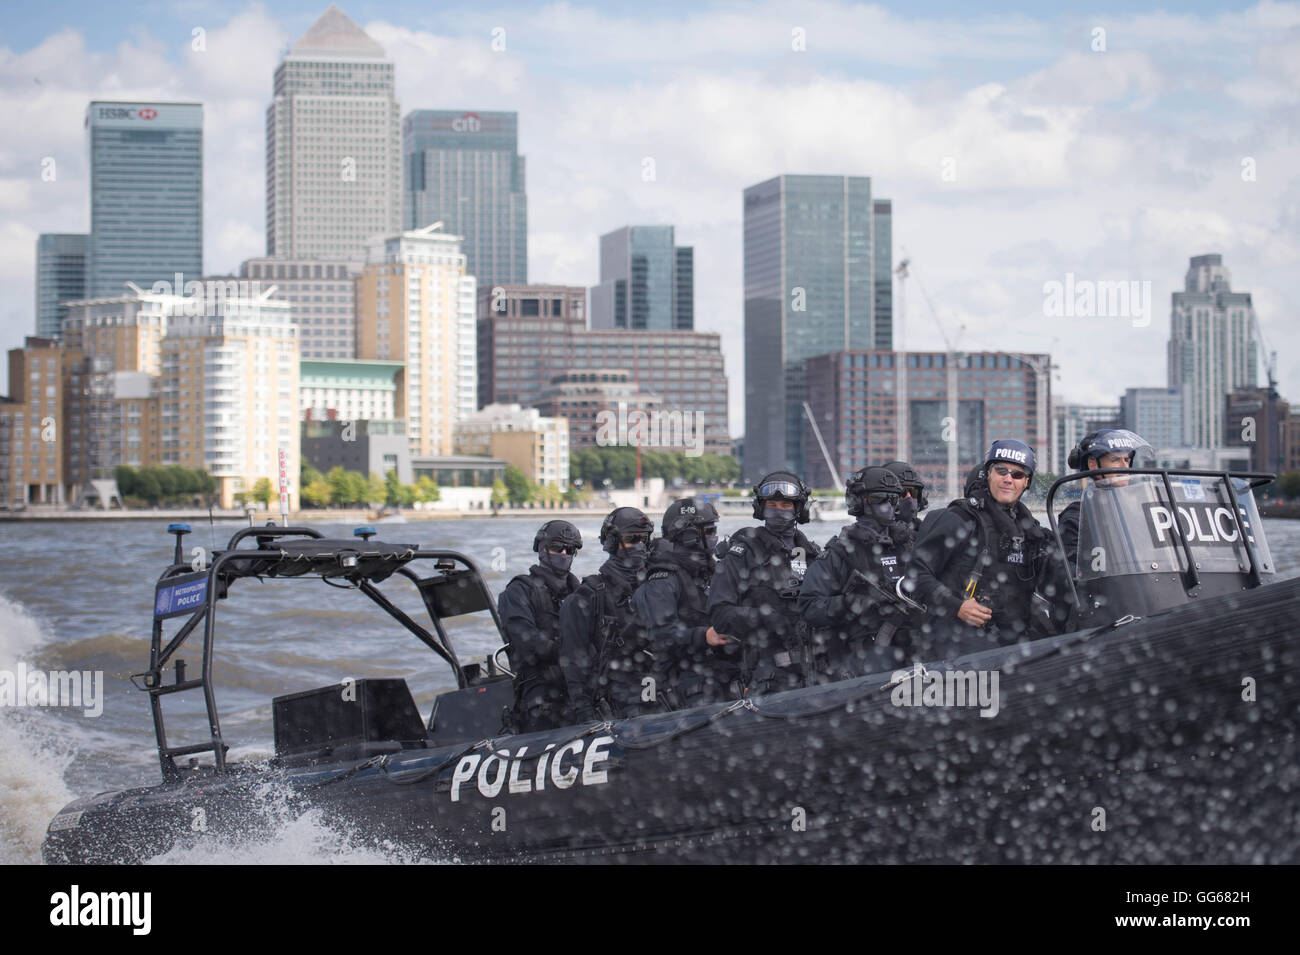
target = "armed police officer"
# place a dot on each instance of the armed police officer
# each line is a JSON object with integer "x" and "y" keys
{"x": 694, "y": 664}
{"x": 756, "y": 585}
{"x": 529, "y": 607}
{"x": 978, "y": 564}
{"x": 910, "y": 505}
{"x": 860, "y": 624}
{"x": 603, "y": 645}
{"x": 1108, "y": 448}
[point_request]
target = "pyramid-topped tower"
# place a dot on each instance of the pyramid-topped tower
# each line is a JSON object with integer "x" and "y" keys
{"x": 335, "y": 34}
{"x": 334, "y": 145}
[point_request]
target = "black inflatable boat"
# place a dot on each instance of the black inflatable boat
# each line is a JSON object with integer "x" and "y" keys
{"x": 1162, "y": 729}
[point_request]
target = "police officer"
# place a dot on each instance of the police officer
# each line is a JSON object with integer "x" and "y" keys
{"x": 756, "y": 585}
{"x": 977, "y": 564}
{"x": 529, "y": 607}
{"x": 603, "y": 645}
{"x": 1108, "y": 448}
{"x": 911, "y": 504}
{"x": 694, "y": 664}
{"x": 859, "y": 623}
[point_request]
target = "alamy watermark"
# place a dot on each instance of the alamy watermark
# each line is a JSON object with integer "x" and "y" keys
{"x": 59, "y": 688}
{"x": 1084, "y": 298}
{"x": 210, "y": 296}
{"x": 922, "y": 687}
{"x": 651, "y": 429}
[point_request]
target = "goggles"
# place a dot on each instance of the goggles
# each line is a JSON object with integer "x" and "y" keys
{"x": 1016, "y": 474}
{"x": 791, "y": 492}
{"x": 634, "y": 538}
{"x": 880, "y": 497}
{"x": 561, "y": 549}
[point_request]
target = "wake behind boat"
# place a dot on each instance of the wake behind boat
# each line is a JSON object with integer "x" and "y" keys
{"x": 1163, "y": 729}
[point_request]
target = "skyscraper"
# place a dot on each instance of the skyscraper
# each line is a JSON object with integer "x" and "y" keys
{"x": 1212, "y": 348}
{"x": 333, "y": 146}
{"x": 463, "y": 169}
{"x": 647, "y": 281}
{"x": 815, "y": 272}
{"x": 60, "y": 277}
{"x": 1154, "y": 413}
{"x": 146, "y": 195}
{"x": 416, "y": 304}
{"x": 882, "y": 211}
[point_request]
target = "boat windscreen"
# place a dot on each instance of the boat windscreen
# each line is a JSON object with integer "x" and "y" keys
{"x": 1126, "y": 526}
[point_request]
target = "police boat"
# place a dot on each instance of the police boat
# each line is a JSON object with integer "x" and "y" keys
{"x": 1161, "y": 729}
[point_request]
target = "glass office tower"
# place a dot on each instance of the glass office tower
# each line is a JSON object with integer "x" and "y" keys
{"x": 815, "y": 273}
{"x": 646, "y": 281}
{"x": 463, "y": 169}
{"x": 146, "y": 194}
{"x": 60, "y": 277}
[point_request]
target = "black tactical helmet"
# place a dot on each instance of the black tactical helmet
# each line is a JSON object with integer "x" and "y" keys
{"x": 689, "y": 512}
{"x": 620, "y": 522}
{"x": 782, "y": 485}
{"x": 1010, "y": 451}
{"x": 557, "y": 532}
{"x": 870, "y": 481}
{"x": 910, "y": 480}
{"x": 1097, "y": 444}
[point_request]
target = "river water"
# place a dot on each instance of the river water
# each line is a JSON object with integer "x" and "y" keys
{"x": 78, "y": 596}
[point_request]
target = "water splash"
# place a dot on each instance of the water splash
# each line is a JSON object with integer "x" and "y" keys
{"x": 296, "y": 836}
{"x": 33, "y": 755}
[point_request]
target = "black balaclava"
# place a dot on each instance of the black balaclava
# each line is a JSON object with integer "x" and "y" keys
{"x": 877, "y": 516}
{"x": 872, "y": 525}
{"x": 908, "y": 508}
{"x": 557, "y": 564}
{"x": 628, "y": 563}
{"x": 693, "y": 550}
{"x": 779, "y": 522}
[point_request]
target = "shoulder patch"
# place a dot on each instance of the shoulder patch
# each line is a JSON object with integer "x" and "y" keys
{"x": 737, "y": 549}
{"x": 659, "y": 575}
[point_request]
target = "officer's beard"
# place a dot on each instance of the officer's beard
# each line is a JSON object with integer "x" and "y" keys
{"x": 781, "y": 523}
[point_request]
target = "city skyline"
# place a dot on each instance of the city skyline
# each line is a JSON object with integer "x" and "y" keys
{"x": 1066, "y": 160}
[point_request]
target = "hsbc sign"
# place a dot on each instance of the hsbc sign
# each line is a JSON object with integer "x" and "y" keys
{"x": 123, "y": 112}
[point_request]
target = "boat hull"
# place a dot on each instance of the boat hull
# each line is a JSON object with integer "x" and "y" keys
{"x": 1167, "y": 740}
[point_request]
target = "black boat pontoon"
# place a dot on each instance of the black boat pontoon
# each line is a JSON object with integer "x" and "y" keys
{"x": 1161, "y": 729}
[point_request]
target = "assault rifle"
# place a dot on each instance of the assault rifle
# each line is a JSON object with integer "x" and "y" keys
{"x": 860, "y": 583}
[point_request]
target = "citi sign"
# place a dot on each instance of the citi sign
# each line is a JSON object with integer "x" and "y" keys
{"x": 469, "y": 123}
{"x": 1208, "y": 524}
{"x": 120, "y": 112}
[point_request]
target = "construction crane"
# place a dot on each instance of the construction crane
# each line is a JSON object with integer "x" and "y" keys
{"x": 951, "y": 363}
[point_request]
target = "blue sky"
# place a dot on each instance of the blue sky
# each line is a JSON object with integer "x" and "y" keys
{"x": 1112, "y": 164}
